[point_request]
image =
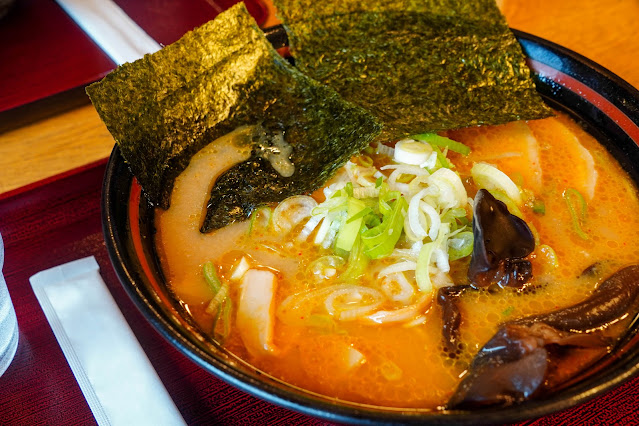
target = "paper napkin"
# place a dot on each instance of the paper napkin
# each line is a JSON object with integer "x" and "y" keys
{"x": 113, "y": 372}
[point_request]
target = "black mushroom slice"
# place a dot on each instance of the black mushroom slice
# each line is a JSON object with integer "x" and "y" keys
{"x": 613, "y": 300}
{"x": 501, "y": 242}
{"x": 520, "y": 362}
{"x": 451, "y": 316}
{"x": 533, "y": 355}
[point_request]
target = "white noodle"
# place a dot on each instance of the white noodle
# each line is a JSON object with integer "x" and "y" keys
{"x": 398, "y": 267}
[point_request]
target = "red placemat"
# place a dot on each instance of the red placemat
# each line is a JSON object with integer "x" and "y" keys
{"x": 58, "y": 220}
{"x": 43, "y": 52}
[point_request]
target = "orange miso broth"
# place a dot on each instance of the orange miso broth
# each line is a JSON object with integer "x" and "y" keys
{"x": 401, "y": 362}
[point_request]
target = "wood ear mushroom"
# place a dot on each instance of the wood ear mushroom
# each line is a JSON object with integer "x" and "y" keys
{"x": 501, "y": 243}
{"x": 535, "y": 354}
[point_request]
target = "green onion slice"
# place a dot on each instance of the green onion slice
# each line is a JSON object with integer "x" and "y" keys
{"x": 422, "y": 272}
{"x": 350, "y": 230}
{"x": 441, "y": 141}
{"x": 381, "y": 240}
{"x": 550, "y": 254}
{"x": 365, "y": 161}
{"x": 577, "y": 207}
{"x": 360, "y": 214}
{"x": 210, "y": 275}
{"x": 260, "y": 217}
{"x": 227, "y": 309}
{"x": 357, "y": 262}
{"x": 348, "y": 188}
{"x": 508, "y": 311}
{"x": 461, "y": 245}
{"x": 441, "y": 158}
{"x": 539, "y": 207}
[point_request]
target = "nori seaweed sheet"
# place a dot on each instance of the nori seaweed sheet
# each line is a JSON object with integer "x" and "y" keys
{"x": 417, "y": 66}
{"x": 297, "y": 10}
{"x": 164, "y": 108}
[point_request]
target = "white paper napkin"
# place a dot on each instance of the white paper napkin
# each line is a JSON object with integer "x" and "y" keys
{"x": 111, "y": 29}
{"x": 113, "y": 372}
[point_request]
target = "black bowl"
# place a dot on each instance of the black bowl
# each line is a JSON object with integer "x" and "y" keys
{"x": 601, "y": 102}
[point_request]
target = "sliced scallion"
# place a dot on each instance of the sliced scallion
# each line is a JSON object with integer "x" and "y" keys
{"x": 456, "y": 217}
{"x": 441, "y": 141}
{"x": 210, "y": 275}
{"x": 550, "y": 254}
{"x": 360, "y": 214}
{"x": 357, "y": 262}
{"x": 491, "y": 178}
{"x": 325, "y": 322}
{"x": 220, "y": 306}
{"x": 260, "y": 217}
{"x": 461, "y": 245}
{"x": 422, "y": 272}
{"x": 227, "y": 309}
{"x": 218, "y": 299}
{"x": 539, "y": 207}
{"x": 510, "y": 204}
{"x": 577, "y": 207}
{"x": 349, "y": 231}
{"x": 508, "y": 311}
{"x": 348, "y": 188}
{"x": 365, "y": 161}
{"x": 441, "y": 158}
{"x": 390, "y": 371}
{"x": 380, "y": 241}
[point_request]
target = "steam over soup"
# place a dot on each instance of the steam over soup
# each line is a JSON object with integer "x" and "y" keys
{"x": 369, "y": 290}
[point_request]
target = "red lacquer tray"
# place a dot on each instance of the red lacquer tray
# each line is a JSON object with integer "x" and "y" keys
{"x": 43, "y": 52}
{"x": 58, "y": 220}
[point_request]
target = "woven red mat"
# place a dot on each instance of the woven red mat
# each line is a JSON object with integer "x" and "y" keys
{"x": 58, "y": 220}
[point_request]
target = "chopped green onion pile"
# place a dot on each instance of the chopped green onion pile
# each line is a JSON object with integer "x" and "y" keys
{"x": 381, "y": 240}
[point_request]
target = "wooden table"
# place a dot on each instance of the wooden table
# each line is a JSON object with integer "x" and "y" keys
{"x": 55, "y": 135}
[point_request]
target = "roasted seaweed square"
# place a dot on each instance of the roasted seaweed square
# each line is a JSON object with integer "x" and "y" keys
{"x": 417, "y": 66}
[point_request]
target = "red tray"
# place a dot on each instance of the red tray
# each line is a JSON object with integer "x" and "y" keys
{"x": 58, "y": 220}
{"x": 43, "y": 52}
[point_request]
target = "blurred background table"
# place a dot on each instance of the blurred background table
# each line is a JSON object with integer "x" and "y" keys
{"x": 56, "y": 134}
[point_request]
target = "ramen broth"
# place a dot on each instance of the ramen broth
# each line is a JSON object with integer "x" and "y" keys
{"x": 404, "y": 364}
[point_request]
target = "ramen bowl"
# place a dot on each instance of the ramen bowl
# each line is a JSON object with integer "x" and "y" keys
{"x": 602, "y": 103}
